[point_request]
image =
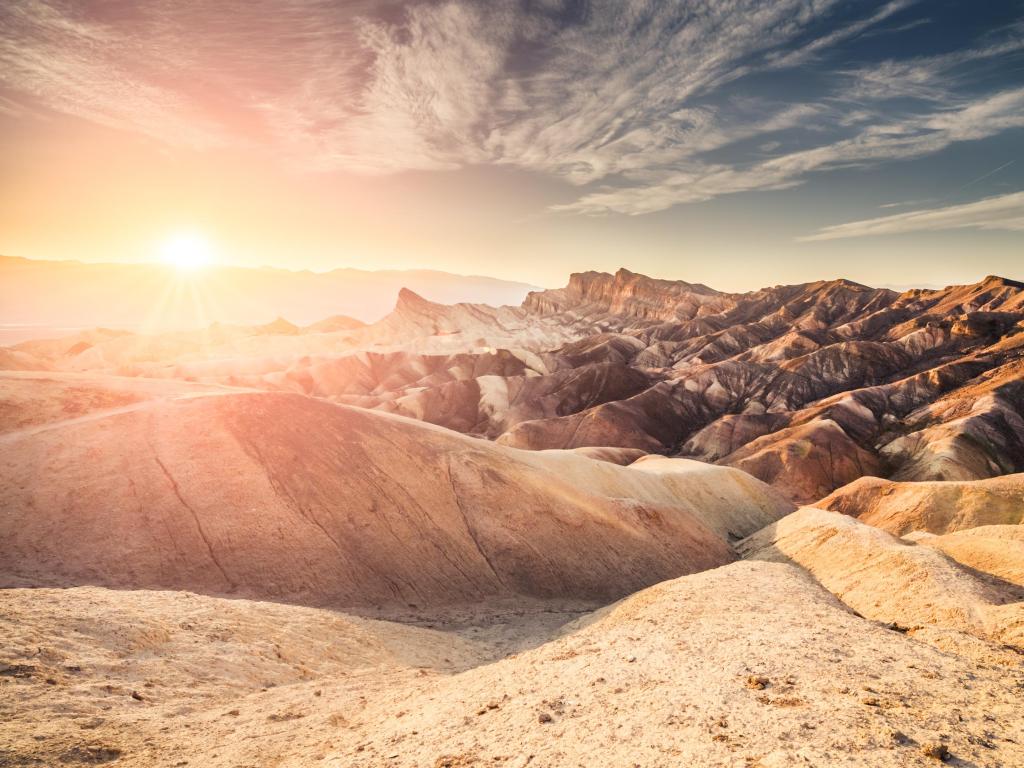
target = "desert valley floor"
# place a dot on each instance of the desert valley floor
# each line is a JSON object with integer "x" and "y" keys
{"x": 631, "y": 522}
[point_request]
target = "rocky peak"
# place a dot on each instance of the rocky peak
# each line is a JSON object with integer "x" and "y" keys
{"x": 409, "y": 298}
{"x": 994, "y": 281}
{"x": 628, "y": 294}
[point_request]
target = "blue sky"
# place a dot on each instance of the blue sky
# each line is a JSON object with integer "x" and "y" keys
{"x": 735, "y": 142}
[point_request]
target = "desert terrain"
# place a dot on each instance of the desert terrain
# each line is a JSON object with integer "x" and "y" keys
{"x": 628, "y": 522}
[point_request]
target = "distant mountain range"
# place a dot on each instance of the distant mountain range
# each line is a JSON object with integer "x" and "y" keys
{"x": 40, "y": 299}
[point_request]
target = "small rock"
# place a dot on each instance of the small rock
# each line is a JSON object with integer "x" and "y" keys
{"x": 935, "y": 750}
{"x": 871, "y": 701}
{"x": 137, "y": 696}
{"x": 898, "y": 737}
{"x": 757, "y": 682}
{"x": 544, "y": 717}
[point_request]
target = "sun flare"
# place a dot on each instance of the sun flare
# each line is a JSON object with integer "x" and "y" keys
{"x": 187, "y": 251}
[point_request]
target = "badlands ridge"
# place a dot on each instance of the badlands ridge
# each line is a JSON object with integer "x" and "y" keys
{"x": 630, "y": 522}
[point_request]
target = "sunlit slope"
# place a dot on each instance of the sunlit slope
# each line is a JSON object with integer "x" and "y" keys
{"x": 753, "y": 663}
{"x": 288, "y": 497}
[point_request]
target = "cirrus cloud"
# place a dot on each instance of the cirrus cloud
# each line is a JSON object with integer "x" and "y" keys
{"x": 642, "y": 105}
{"x": 1001, "y": 212}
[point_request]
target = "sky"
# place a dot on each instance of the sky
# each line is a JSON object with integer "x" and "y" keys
{"x": 737, "y": 143}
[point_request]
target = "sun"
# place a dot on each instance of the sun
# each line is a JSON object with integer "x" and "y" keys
{"x": 187, "y": 251}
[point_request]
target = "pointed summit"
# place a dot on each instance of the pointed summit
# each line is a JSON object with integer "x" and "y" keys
{"x": 409, "y": 298}
{"x": 995, "y": 281}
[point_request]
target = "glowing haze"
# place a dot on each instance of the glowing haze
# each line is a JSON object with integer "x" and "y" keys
{"x": 739, "y": 144}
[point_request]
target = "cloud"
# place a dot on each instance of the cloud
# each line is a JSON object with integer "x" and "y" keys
{"x": 1003, "y": 212}
{"x": 642, "y": 105}
{"x": 801, "y": 54}
{"x": 69, "y": 64}
{"x": 912, "y": 137}
{"x": 928, "y": 77}
{"x": 906, "y": 203}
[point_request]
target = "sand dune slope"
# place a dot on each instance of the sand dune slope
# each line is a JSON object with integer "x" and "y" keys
{"x": 286, "y": 497}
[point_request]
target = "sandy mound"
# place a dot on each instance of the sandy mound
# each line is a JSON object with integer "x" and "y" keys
{"x": 997, "y": 550}
{"x": 287, "y": 497}
{"x": 34, "y": 399}
{"x": 622, "y": 456}
{"x": 936, "y": 507}
{"x": 703, "y": 670}
{"x": 889, "y": 579}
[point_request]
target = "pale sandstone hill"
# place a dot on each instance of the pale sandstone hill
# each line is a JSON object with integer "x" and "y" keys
{"x": 934, "y": 507}
{"x": 750, "y": 664}
{"x": 887, "y": 579}
{"x": 997, "y": 550}
{"x": 35, "y": 398}
{"x": 622, "y": 456}
{"x": 460, "y": 326}
{"x": 14, "y": 360}
{"x": 288, "y": 497}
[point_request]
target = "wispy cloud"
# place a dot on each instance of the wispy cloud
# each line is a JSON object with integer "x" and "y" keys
{"x": 934, "y": 78}
{"x": 912, "y": 137}
{"x": 801, "y": 54}
{"x": 70, "y": 64}
{"x": 643, "y": 105}
{"x": 1003, "y": 212}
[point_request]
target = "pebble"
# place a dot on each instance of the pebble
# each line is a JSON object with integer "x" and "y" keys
{"x": 757, "y": 682}
{"x": 935, "y": 750}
